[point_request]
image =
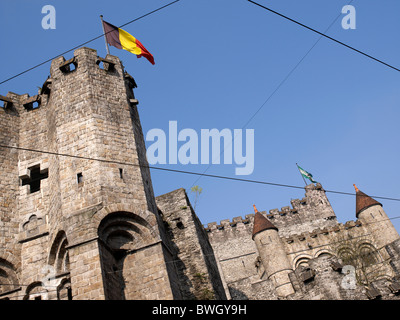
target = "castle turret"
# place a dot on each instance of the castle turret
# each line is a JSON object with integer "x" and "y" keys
{"x": 371, "y": 213}
{"x": 272, "y": 254}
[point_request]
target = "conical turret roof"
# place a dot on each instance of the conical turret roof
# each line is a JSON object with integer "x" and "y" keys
{"x": 363, "y": 201}
{"x": 261, "y": 223}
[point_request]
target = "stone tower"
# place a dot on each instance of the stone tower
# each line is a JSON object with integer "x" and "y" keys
{"x": 370, "y": 212}
{"x": 80, "y": 219}
{"x": 272, "y": 253}
{"x": 303, "y": 252}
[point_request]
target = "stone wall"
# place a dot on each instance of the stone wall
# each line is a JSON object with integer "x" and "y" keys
{"x": 94, "y": 166}
{"x": 10, "y": 262}
{"x": 329, "y": 283}
{"x": 236, "y": 254}
{"x": 298, "y": 227}
{"x": 80, "y": 220}
{"x": 309, "y": 232}
{"x": 195, "y": 262}
{"x": 307, "y": 214}
{"x": 393, "y": 251}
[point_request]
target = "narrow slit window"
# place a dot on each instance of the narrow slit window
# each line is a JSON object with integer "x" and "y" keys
{"x": 69, "y": 293}
{"x": 79, "y": 177}
{"x": 121, "y": 173}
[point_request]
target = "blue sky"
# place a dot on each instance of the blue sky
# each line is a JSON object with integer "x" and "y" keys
{"x": 217, "y": 62}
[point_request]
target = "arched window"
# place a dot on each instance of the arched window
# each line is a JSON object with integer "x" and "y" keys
{"x": 348, "y": 256}
{"x": 302, "y": 262}
{"x": 64, "y": 291}
{"x": 35, "y": 291}
{"x": 120, "y": 234}
{"x": 324, "y": 254}
{"x": 364, "y": 257}
{"x": 8, "y": 276}
{"x": 58, "y": 257}
{"x": 123, "y": 231}
{"x": 368, "y": 254}
{"x": 58, "y": 266}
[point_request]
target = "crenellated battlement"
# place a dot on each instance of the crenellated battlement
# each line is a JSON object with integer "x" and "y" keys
{"x": 53, "y": 189}
{"x": 339, "y": 227}
{"x": 305, "y": 215}
{"x": 239, "y": 224}
{"x": 79, "y": 203}
{"x": 85, "y": 60}
{"x": 229, "y": 224}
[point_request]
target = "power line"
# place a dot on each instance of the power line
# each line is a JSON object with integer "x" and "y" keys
{"x": 277, "y": 88}
{"x": 91, "y": 40}
{"x": 194, "y": 173}
{"x": 25, "y": 285}
{"x": 291, "y": 71}
{"x": 324, "y": 35}
{"x": 185, "y": 172}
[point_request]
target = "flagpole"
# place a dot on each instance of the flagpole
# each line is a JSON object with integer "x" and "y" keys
{"x": 104, "y": 33}
{"x": 301, "y": 174}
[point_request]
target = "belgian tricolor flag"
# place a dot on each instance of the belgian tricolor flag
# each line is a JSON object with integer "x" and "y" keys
{"x": 121, "y": 39}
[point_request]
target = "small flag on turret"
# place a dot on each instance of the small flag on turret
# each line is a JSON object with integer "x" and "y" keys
{"x": 306, "y": 174}
{"x": 121, "y": 39}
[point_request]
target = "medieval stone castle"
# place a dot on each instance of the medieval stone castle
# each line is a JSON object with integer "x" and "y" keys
{"x": 79, "y": 219}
